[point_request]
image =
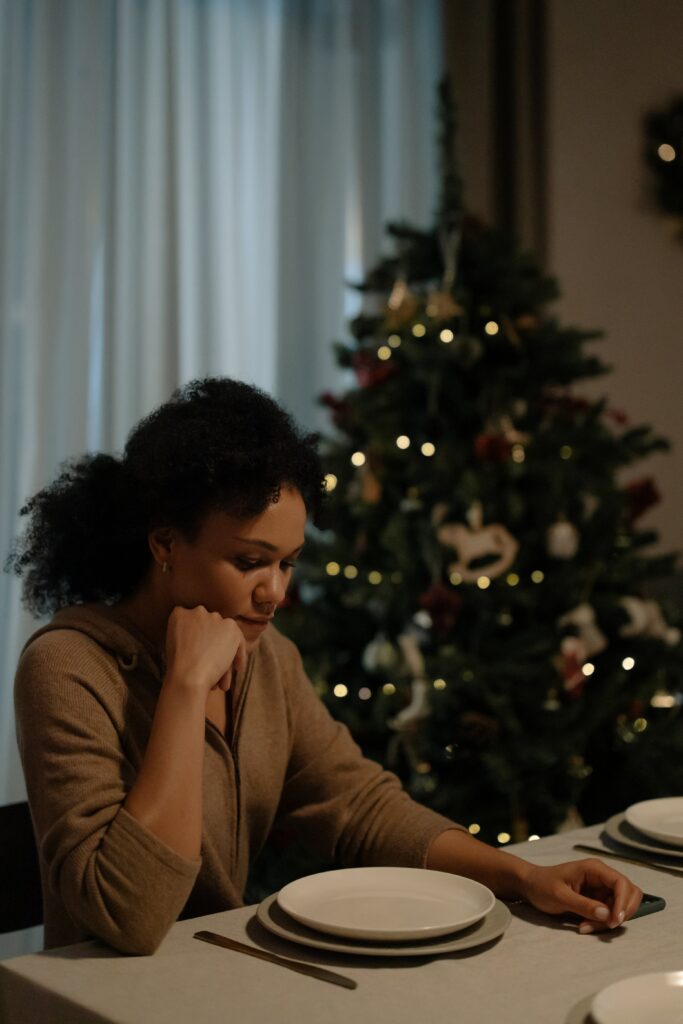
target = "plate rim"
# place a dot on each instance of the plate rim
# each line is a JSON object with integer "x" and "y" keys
{"x": 595, "y": 1009}
{"x": 337, "y": 944}
{"x": 652, "y": 833}
{"x": 379, "y": 934}
{"x": 616, "y": 820}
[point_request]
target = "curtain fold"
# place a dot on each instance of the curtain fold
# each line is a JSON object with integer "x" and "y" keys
{"x": 185, "y": 186}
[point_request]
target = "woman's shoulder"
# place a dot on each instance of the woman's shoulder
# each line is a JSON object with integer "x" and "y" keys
{"x": 75, "y": 646}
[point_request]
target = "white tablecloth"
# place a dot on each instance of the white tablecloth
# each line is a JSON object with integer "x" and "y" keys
{"x": 541, "y": 971}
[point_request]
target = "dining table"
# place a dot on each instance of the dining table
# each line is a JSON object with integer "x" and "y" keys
{"x": 541, "y": 969}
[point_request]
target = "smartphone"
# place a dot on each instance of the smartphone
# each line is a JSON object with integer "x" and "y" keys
{"x": 649, "y": 905}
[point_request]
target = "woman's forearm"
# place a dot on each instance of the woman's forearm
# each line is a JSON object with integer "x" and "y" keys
{"x": 460, "y": 853}
{"x": 167, "y": 795}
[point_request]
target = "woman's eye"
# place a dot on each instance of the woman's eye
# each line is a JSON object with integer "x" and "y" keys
{"x": 288, "y": 565}
{"x": 245, "y": 564}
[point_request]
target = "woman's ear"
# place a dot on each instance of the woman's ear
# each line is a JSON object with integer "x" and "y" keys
{"x": 161, "y": 541}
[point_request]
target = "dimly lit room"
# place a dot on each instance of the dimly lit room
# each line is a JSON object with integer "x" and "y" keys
{"x": 341, "y": 612}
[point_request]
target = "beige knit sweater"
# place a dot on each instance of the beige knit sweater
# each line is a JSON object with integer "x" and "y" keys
{"x": 85, "y": 694}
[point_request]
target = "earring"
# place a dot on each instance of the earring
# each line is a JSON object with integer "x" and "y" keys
{"x": 164, "y": 567}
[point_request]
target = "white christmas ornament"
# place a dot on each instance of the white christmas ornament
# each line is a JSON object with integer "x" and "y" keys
{"x": 593, "y": 640}
{"x": 412, "y": 654}
{"x": 646, "y": 619}
{"x": 416, "y": 710}
{"x": 475, "y": 542}
{"x": 562, "y": 539}
{"x": 380, "y": 655}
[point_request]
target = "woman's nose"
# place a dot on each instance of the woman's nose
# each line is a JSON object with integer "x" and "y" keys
{"x": 272, "y": 589}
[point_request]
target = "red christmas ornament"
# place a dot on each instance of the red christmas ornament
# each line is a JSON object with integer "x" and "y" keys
{"x": 370, "y": 371}
{"x": 443, "y": 604}
{"x": 337, "y": 406}
{"x": 642, "y": 494}
{"x": 492, "y": 447}
{"x": 617, "y": 416}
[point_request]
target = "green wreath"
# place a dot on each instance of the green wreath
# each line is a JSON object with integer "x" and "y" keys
{"x": 664, "y": 157}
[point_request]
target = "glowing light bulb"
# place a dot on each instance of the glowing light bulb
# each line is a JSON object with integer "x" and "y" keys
{"x": 483, "y": 582}
{"x": 384, "y": 352}
{"x": 666, "y": 153}
{"x": 374, "y": 577}
{"x": 358, "y": 459}
{"x": 474, "y": 829}
{"x": 446, "y": 336}
{"x": 394, "y": 340}
{"x": 364, "y": 693}
{"x": 333, "y": 568}
{"x": 588, "y": 669}
{"x": 340, "y": 690}
{"x": 491, "y": 328}
{"x": 503, "y": 837}
{"x": 419, "y": 330}
{"x": 330, "y": 482}
{"x": 518, "y": 453}
{"x": 403, "y": 442}
{"x": 628, "y": 664}
{"x": 388, "y": 688}
{"x": 350, "y": 572}
{"x": 428, "y": 449}
{"x": 439, "y": 684}
{"x": 512, "y": 579}
{"x": 537, "y": 576}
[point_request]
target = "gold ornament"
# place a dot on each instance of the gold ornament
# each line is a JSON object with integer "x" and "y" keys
{"x": 371, "y": 488}
{"x": 442, "y": 306}
{"x": 402, "y": 306}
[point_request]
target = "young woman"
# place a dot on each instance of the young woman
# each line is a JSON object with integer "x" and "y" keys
{"x": 165, "y": 726}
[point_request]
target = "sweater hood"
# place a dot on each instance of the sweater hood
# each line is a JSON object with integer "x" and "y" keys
{"x": 111, "y": 630}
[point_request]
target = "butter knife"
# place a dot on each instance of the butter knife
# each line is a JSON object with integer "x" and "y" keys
{"x": 273, "y": 958}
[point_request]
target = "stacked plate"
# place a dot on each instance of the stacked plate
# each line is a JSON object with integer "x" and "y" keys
{"x": 652, "y": 827}
{"x": 385, "y": 912}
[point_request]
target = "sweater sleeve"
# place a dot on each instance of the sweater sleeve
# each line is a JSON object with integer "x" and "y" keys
{"x": 115, "y": 879}
{"x": 344, "y": 806}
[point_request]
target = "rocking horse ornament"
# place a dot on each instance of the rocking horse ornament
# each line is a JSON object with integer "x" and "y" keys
{"x": 482, "y": 550}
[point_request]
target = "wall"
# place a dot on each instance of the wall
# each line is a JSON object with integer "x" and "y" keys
{"x": 619, "y": 267}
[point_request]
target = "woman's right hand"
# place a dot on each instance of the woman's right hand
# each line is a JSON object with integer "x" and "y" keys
{"x": 203, "y": 650}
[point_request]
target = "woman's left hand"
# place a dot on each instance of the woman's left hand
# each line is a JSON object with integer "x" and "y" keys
{"x": 602, "y": 897}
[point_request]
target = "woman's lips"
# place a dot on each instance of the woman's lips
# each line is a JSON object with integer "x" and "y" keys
{"x": 255, "y": 624}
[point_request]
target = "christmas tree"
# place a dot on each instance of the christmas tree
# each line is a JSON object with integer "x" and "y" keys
{"x": 477, "y": 603}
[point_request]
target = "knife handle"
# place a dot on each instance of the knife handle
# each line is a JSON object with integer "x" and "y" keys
{"x": 261, "y": 954}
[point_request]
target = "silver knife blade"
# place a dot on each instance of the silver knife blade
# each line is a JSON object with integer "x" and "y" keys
{"x": 273, "y": 958}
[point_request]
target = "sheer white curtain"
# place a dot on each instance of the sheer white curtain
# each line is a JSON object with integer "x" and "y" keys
{"x": 185, "y": 185}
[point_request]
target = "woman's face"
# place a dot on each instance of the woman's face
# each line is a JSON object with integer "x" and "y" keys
{"x": 240, "y": 568}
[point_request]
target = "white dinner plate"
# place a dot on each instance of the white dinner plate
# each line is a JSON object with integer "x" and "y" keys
{"x": 661, "y": 819}
{"x": 618, "y": 828}
{"x": 645, "y": 999}
{"x": 491, "y": 927}
{"x": 386, "y": 904}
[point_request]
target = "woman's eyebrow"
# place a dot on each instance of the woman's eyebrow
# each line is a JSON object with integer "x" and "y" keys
{"x": 265, "y": 544}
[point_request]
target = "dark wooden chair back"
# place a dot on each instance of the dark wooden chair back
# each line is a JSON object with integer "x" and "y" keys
{"x": 21, "y": 903}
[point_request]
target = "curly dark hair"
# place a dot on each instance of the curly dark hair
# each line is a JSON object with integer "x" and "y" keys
{"x": 216, "y": 444}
